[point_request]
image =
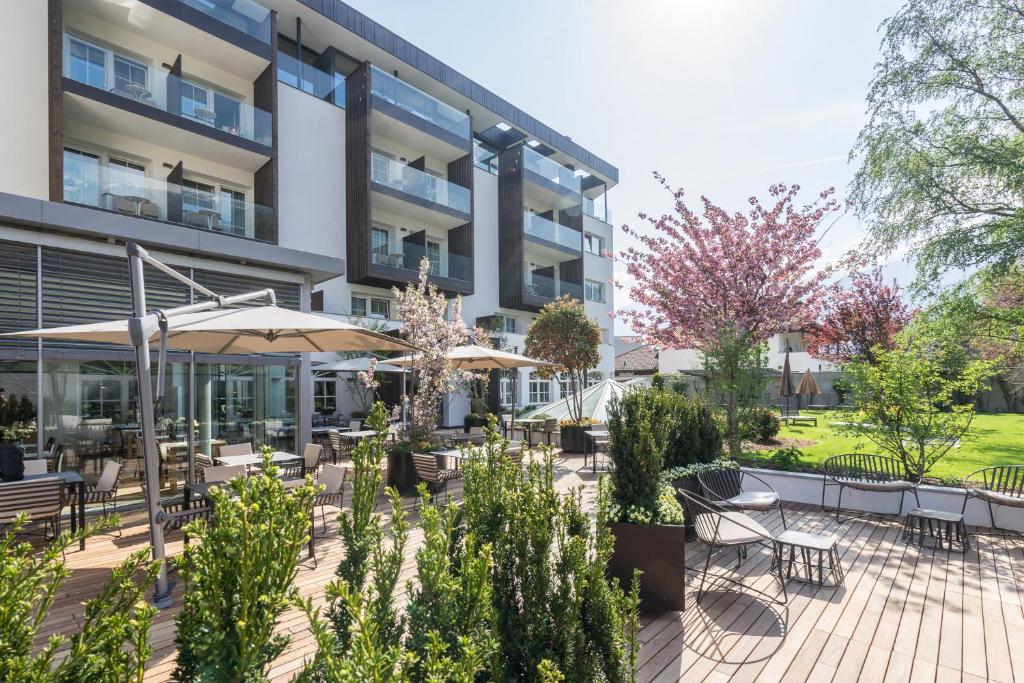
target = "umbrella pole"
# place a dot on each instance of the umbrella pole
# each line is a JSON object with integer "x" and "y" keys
{"x": 515, "y": 395}
{"x": 162, "y": 596}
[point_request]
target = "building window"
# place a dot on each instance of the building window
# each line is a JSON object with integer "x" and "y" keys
{"x": 88, "y": 64}
{"x": 325, "y": 396}
{"x": 593, "y": 244}
{"x": 373, "y": 307}
{"x": 593, "y": 290}
{"x": 540, "y": 390}
{"x": 81, "y": 177}
{"x": 507, "y": 324}
{"x": 130, "y": 76}
{"x": 197, "y": 196}
{"x": 232, "y": 210}
{"x": 593, "y": 377}
{"x": 380, "y": 244}
{"x": 505, "y": 388}
{"x": 434, "y": 256}
{"x": 194, "y": 98}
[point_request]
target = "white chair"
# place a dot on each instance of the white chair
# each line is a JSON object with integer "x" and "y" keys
{"x": 244, "y": 448}
{"x": 310, "y": 462}
{"x": 35, "y": 466}
{"x": 223, "y": 473}
{"x": 354, "y": 425}
{"x": 105, "y": 490}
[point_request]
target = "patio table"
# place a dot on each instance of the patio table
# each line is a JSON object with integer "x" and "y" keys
{"x": 527, "y": 424}
{"x": 72, "y": 481}
{"x": 251, "y": 459}
{"x": 592, "y": 436}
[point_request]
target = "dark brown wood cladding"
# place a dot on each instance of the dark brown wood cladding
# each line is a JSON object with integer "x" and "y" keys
{"x": 573, "y": 218}
{"x": 316, "y": 301}
{"x": 55, "y": 47}
{"x": 419, "y": 164}
{"x": 174, "y": 88}
{"x": 266, "y": 180}
{"x": 510, "y": 228}
{"x": 174, "y": 178}
{"x": 571, "y": 271}
{"x": 461, "y": 240}
{"x": 357, "y": 173}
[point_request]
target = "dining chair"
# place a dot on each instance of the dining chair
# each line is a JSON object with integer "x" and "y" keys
{"x": 104, "y": 490}
{"x": 332, "y": 479}
{"x": 41, "y": 499}
{"x": 35, "y": 466}
{"x": 435, "y": 478}
{"x": 244, "y": 448}
{"x": 223, "y": 473}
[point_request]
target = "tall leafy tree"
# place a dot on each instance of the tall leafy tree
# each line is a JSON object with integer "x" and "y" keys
{"x": 723, "y": 283}
{"x": 564, "y": 335}
{"x": 941, "y": 165}
{"x": 856, "y": 320}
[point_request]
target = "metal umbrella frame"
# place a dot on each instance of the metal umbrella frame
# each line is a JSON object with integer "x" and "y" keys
{"x": 187, "y": 327}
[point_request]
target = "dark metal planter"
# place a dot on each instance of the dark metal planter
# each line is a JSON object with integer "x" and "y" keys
{"x": 659, "y": 551}
{"x": 573, "y": 438}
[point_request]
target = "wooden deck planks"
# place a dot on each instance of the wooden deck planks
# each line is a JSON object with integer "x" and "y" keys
{"x": 903, "y": 614}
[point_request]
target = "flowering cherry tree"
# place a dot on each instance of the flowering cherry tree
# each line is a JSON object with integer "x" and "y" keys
{"x": 723, "y": 283}
{"x": 435, "y": 325}
{"x": 856, "y": 320}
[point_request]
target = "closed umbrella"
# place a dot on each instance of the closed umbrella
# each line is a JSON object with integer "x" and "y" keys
{"x": 211, "y": 327}
{"x": 808, "y": 387}
{"x": 786, "y": 382}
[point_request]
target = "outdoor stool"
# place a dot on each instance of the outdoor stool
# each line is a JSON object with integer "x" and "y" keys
{"x": 814, "y": 550}
{"x": 936, "y": 520}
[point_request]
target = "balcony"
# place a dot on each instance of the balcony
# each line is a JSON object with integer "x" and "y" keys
{"x": 546, "y": 289}
{"x": 131, "y": 193}
{"x": 150, "y": 91}
{"x": 597, "y": 210}
{"x": 246, "y": 16}
{"x": 541, "y": 228}
{"x": 310, "y": 79}
{"x": 409, "y": 192}
{"x": 442, "y": 265}
{"x": 550, "y": 172}
{"x": 419, "y": 104}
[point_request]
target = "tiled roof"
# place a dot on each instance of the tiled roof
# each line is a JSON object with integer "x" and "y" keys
{"x": 641, "y": 359}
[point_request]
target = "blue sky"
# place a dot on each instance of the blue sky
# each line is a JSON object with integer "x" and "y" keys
{"x": 724, "y": 97}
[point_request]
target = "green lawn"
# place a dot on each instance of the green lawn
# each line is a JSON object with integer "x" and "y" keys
{"x": 994, "y": 439}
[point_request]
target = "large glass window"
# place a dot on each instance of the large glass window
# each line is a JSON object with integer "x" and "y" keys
{"x": 593, "y": 290}
{"x": 81, "y": 177}
{"x": 195, "y": 101}
{"x": 325, "y": 396}
{"x": 380, "y": 244}
{"x": 358, "y": 306}
{"x": 593, "y": 244}
{"x": 88, "y": 64}
{"x": 380, "y": 308}
{"x": 18, "y": 404}
{"x": 540, "y": 390}
{"x": 197, "y": 196}
{"x": 232, "y": 210}
{"x": 434, "y": 256}
{"x": 126, "y": 177}
{"x": 130, "y": 76}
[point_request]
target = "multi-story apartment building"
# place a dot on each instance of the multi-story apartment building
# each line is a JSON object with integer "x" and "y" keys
{"x": 293, "y": 144}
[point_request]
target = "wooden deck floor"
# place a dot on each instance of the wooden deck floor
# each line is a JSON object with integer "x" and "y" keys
{"x": 903, "y": 614}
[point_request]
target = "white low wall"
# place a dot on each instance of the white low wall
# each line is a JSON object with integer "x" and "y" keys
{"x": 801, "y": 487}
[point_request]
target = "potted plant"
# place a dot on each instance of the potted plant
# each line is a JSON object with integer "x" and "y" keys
{"x": 565, "y": 336}
{"x": 645, "y": 517}
{"x": 685, "y": 477}
{"x": 12, "y": 455}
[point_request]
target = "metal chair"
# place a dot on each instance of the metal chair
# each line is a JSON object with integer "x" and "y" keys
{"x": 310, "y": 462}
{"x": 868, "y": 472}
{"x": 35, "y": 466}
{"x": 725, "y": 487}
{"x": 339, "y": 445}
{"x": 105, "y": 490}
{"x": 1001, "y": 485}
{"x": 40, "y": 499}
{"x": 332, "y": 478}
{"x": 219, "y": 473}
{"x": 244, "y": 448}
{"x": 721, "y": 529}
{"x": 436, "y": 479}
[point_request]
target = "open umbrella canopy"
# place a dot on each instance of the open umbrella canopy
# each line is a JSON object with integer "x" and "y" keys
{"x": 808, "y": 386}
{"x": 260, "y": 329}
{"x": 786, "y": 382}
{"x": 361, "y": 364}
{"x": 595, "y": 402}
{"x": 473, "y": 357}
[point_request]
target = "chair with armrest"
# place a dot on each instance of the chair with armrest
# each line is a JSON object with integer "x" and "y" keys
{"x": 725, "y": 486}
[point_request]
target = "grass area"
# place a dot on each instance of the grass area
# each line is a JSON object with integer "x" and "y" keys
{"x": 994, "y": 439}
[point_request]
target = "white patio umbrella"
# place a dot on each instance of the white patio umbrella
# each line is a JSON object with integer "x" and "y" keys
{"x": 212, "y": 327}
{"x": 474, "y": 357}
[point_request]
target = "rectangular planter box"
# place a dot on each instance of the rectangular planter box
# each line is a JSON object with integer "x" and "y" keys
{"x": 660, "y": 553}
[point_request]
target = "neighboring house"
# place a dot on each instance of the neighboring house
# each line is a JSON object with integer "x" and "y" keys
{"x": 285, "y": 144}
{"x": 641, "y": 361}
{"x": 688, "y": 361}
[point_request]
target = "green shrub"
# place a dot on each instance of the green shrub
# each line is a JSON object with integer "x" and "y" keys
{"x": 787, "y": 459}
{"x": 693, "y": 433}
{"x": 557, "y": 616}
{"x": 474, "y": 420}
{"x": 671, "y": 474}
{"x": 637, "y": 422}
{"x": 112, "y": 644}
{"x": 761, "y": 424}
{"x": 238, "y": 573}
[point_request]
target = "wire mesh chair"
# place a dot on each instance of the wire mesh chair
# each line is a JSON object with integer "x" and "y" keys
{"x": 720, "y": 529}
{"x": 725, "y": 487}
{"x": 868, "y": 472}
{"x": 1002, "y": 485}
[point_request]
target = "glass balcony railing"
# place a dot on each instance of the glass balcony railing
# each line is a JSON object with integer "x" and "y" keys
{"x": 535, "y": 225}
{"x": 310, "y": 79}
{"x": 247, "y": 16}
{"x": 550, "y": 170}
{"x": 453, "y": 266}
{"x": 415, "y": 101}
{"x": 485, "y": 159}
{"x": 551, "y": 288}
{"x": 133, "y": 194}
{"x": 164, "y": 91}
{"x": 419, "y": 184}
{"x": 596, "y": 210}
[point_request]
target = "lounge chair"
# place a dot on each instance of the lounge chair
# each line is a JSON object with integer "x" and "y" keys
{"x": 868, "y": 472}
{"x": 725, "y": 487}
{"x": 787, "y": 416}
{"x": 1001, "y": 485}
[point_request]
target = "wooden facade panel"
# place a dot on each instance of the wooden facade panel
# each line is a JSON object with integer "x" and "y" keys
{"x": 266, "y": 179}
{"x": 510, "y": 228}
{"x": 174, "y": 205}
{"x": 55, "y": 114}
{"x": 357, "y": 173}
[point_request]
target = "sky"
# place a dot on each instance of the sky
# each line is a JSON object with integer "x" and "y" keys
{"x": 723, "y": 97}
